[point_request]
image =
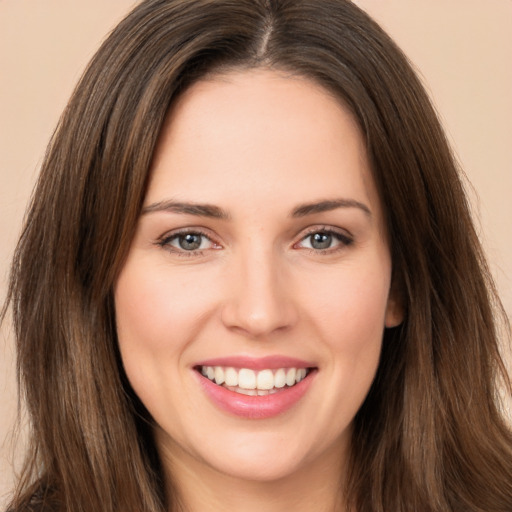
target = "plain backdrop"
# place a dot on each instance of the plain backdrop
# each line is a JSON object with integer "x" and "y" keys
{"x": 461, "y": 48}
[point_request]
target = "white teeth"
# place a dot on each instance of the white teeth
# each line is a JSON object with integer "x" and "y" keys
{"x": 219, "y": 375}
{"x": 290, "y": 376}
{"x": 301, "y": 373}
{"x": 250, "y": 382}
{"x": 250, "y": 392}
{"x": 280, "y": 378}
{"x": 231, "y": 376}
{"x": 247, "y": 379}
{"x": 265, "y": 380}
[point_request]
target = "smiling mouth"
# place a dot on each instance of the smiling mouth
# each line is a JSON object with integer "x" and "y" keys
{"x": 247, "y": 381}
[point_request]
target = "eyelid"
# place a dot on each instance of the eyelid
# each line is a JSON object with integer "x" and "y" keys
{"x": 345, "y": 238}
{"x": 164, "y": 240}
{"x": 342, "y": 235}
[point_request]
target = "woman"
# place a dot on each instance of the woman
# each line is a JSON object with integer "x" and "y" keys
{"x": 249, "y": 278}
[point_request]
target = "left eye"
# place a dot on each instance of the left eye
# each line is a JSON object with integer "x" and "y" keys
{"x": 323, "y": 240}
{"x": 188, "y": 242}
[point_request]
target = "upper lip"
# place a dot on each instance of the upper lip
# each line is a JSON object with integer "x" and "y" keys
{"x": 257, "y": 363}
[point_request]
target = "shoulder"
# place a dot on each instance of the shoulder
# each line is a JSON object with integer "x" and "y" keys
{"x": 34, "y": 506}
{"x": 37, "y": 502}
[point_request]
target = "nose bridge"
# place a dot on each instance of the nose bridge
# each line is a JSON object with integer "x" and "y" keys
{"x": 259, "y": 301}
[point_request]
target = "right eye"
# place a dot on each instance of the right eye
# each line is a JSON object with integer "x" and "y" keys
{"x": 187, "y": 243}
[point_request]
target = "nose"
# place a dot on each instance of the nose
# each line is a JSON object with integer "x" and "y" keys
{"x": 260, "y": 300}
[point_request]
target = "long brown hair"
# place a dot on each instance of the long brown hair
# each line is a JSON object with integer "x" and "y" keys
{"x": 428, "y": 438}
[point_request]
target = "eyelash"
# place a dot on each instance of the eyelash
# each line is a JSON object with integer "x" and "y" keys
{"x": 166, "y": 240}
{"x": 344, "y": 240}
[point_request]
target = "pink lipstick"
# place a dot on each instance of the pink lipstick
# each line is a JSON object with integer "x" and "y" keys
{"x": 255, "y": 388}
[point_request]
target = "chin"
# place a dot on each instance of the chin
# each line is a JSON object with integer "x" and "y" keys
{"x": 255, "y": 467}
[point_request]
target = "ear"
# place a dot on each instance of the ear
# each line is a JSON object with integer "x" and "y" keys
{"x": 395, "y": 306}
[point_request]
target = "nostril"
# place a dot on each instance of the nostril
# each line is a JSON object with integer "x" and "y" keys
{"x": 258, "y": 301}
{"x": 258, "y": 320}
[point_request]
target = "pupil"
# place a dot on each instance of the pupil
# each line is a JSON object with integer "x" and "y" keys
{"x": 190, "y": 242}
{"x": 321, "y": 241}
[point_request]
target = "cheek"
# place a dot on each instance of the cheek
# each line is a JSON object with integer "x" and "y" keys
{"x": 350, "y": 305}
{"x": 349, "y": 315}
{"x": 157, "y": 317}
{"x": 154, "y": 308}
{"x": 351, "y": 319}
{"x": 155, "y": 322}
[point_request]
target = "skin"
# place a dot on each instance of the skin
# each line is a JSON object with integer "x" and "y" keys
{"x": 256, "y": 144}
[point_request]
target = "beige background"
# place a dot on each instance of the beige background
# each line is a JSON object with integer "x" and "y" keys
{"x": 463, "y": 49}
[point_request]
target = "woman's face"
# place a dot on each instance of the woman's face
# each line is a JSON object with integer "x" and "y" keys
{"x": 251, "y": 307}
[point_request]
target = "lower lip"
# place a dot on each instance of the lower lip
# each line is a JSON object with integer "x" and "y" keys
{"x": 256, "y": 407}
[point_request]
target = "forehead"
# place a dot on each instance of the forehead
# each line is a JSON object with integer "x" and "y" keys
{"x": 263, "y": 135}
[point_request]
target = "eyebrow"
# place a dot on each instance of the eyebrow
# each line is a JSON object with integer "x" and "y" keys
{"x": 201, "y": 210}
{"x": 328, "y": 205}
{"x": 212, "y": 211}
